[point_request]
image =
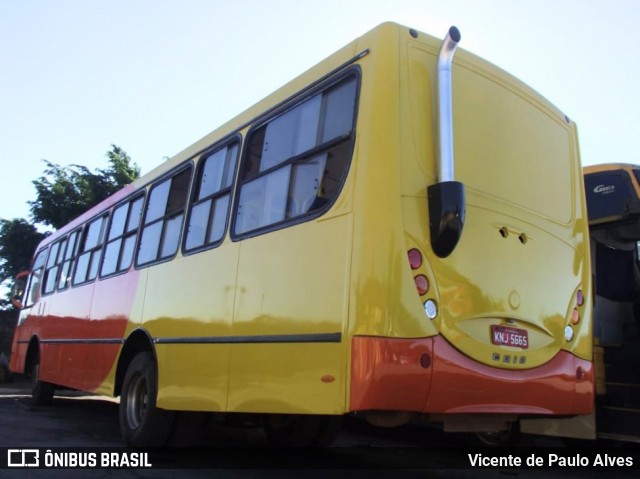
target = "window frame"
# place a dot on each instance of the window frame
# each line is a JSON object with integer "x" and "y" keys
{"x": 72, "y": 259}
{"x": 293, "y": 102}
{"x": 226, "y": 143}
{"x": 28, "y": 291}
{"x": 97, "y": 249}
{"x": 185, "y": 166}
{"x": 127, "y": 202}
{"x": 60, "y": 254}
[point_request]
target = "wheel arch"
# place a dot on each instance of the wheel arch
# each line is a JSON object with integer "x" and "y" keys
{"x": 137, "y": 342}
{"x": 33, "y": 353}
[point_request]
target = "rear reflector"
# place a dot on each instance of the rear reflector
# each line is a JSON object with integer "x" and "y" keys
{"x": 425, "y": 360}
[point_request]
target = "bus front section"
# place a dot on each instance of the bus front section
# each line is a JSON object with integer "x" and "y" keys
{"x": 476, "y": 310}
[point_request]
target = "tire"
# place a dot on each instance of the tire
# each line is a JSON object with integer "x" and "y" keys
{"x": 41, "y": 391}
{"x": 301, "y": 430}
{"x": 142, "y": 424}
{"x": 508, "y": 437}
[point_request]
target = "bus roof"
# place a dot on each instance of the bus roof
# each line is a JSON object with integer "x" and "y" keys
{"x": 350, "y": 53}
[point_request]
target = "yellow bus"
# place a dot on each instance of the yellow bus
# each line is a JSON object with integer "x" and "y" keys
{"x": 613, "y": 203}
{"x": 322, "y": 254}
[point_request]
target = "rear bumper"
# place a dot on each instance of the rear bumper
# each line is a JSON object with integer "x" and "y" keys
{"x": 428, "y": 375}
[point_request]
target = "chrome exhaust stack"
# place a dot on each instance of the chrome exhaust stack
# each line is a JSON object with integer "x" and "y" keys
{"x": 446, "y": 198}
{"x": 445, "y": 109}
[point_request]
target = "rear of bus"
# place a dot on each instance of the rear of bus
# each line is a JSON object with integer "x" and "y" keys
{"x": 484, "y": 329}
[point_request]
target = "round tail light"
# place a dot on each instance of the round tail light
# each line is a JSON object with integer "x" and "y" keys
{"x": 422, "y": 284}
{"x": 415, "y": 258}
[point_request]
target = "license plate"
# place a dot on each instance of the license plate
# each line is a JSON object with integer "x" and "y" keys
{"x": 508, "y": 336}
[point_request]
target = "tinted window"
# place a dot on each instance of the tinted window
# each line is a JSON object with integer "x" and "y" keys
{"x": 90, "y": 250}
{"x": 208, "y": 215}
{"x": 296, "y": 163}
{"x": 35, "y": 278}
{"x": 56, "y": 257}
{"x": 164, "y": 214}
{"x": 121, "y": 237}
{"x": 67, "y": 263}
{"x": 608, "y": 194}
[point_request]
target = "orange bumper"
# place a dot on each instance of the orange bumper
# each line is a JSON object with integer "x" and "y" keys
{"x": 429, "y": 375}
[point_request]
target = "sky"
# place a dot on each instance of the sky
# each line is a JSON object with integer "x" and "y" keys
{"x": 155, "y": 76}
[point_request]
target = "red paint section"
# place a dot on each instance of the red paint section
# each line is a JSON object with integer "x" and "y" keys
{"x": 95, "y": 311}
{"x": 111, "y": 307}
{"x": 386, "y": 374}
{"x": 461, "y": 385}
{"x": 78, "y": 313}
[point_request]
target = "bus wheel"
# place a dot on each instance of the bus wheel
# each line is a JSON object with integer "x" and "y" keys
{"x": 508, "y": 437}
{"x": 301, "y": 429}
{"x": 142, "y": 424}
{"x": 41, "y": 391}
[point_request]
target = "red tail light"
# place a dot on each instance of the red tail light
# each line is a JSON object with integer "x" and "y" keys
{"x": 415, "y": 258}
{"x": 580, "y": 297}
{"x": 422, "y": 284}
{"x": 575, "y": 316}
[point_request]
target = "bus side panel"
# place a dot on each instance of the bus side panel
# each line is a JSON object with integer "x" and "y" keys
{"x": 112, "y": 307}
{"x": 292, "y": 292}
{"x": 22, "y": 335}
{"x": 62, "y": 360}
{"x": 188, "y": 310}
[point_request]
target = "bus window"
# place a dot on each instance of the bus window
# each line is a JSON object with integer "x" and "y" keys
{"x": 87, "y": 264}
{"x": 163, "y": 218}
{"x": 121, "y": 238}
{"x": 33, "y": 289}
{"x": 208, "y": 216}
{"x": 56, "y": 257}
{"x": 296, "y": 162}
{"x": 69, "y": 257}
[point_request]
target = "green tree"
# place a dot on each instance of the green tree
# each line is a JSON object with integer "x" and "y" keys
{"x": 62, "y": 194}
{"x": 65, "y": 192}
{"x": 18, "y": 240}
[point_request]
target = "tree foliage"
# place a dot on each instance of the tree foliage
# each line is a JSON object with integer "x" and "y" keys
{"x": 65, "y": 192}
{"x": 18, "y": 241}
{"x": 62, "y": 194}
